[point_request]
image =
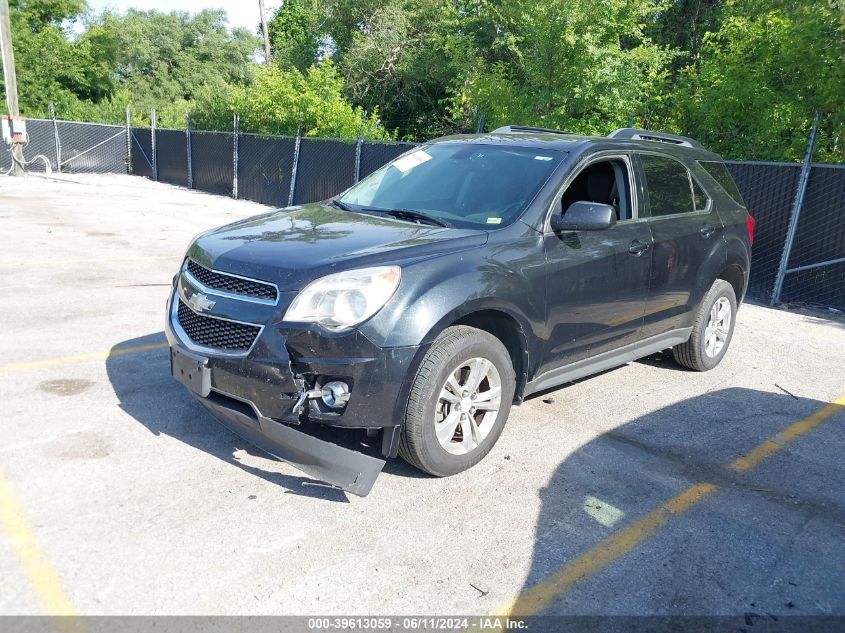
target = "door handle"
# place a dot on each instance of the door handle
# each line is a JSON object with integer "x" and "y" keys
{"x": 707, "y": 230}
{"x": 638, "y": 248}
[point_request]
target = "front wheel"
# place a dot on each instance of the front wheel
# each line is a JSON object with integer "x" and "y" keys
{"x": 459, "y": 402}
{"x": 712, "y": 329}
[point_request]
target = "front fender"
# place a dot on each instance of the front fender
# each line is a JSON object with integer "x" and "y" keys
{"x": 506, "y": 276}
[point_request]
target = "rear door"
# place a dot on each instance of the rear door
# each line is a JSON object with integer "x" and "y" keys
{"x": 689, "y": 247}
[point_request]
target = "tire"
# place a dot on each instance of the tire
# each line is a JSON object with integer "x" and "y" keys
{"x": 696, "y": 354}
{"x": 457, "y": 353}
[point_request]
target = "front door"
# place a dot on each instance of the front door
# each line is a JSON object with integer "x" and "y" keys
{"x": 597, "y": 280}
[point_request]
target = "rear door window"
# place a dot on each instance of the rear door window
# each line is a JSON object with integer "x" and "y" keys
{"x": 667, "y": 186}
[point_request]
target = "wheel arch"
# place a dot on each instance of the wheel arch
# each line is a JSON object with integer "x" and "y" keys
{"x": 510, "y": 332}
{"x": 735, "y": 276}
{"x": 506, "y": 325}
{"x": 502, "y": 324}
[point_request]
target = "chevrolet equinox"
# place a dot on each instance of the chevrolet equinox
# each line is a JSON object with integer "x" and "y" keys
{"x": 452, "y": 283}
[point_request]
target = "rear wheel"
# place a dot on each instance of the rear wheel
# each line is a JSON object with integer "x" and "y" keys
{"x": 459, "y": 402}
{"x": 712, "y": 329}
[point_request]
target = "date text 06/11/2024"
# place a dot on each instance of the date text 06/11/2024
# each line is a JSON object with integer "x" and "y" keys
{"x": 418, "y": 623}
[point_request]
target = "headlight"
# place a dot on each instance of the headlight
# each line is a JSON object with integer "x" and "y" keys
{"x": 342, "y": 300}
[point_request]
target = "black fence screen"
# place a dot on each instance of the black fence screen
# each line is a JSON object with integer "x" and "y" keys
{"x": 820, "y": 238}
{"x": 769, "y": 190}
{"x": 264, "y": 168}
{"x": 142, "y": 152}
{"x": 212, "y": 162}
{"x": 815, "y": 272}
{"x": 325, "y": 169}
{"x": 172, "y": 157}
{"x": 769, "y": 193}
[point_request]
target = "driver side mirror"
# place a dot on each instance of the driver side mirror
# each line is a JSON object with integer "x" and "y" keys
{"x": 584, "y": 216}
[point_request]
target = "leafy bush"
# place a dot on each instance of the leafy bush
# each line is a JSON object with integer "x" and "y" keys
{"x": 280, "y": 101}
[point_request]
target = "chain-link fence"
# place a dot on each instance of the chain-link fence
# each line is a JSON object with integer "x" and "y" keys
{"x": 815, "y": 269}
{"x": 278, "y": 171}
{"x": 769, "y": 191}
{"x": 73, "y": 147}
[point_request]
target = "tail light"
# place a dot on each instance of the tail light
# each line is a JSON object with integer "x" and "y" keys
{"x": 749, "y": 224}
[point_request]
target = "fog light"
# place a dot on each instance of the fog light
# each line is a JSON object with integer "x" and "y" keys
{"x": 335, "y": 394}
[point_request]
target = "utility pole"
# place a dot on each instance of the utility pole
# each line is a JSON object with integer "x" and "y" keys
{"x": 264, "y": 32}
{"x": 10, "y": 80}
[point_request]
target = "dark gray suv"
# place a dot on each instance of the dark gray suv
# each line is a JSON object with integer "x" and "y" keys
{"x": 466, "y": 275}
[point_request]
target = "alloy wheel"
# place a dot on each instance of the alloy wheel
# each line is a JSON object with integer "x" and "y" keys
{"x": 467, "y": 406}
{"x": 718, "y": 327}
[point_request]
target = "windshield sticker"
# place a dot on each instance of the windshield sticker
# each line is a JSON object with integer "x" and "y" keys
{"x": 412, "y": 160}
{"x": 494, "y": 220}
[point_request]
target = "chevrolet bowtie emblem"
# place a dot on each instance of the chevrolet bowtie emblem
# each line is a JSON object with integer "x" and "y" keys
{"x": 199, "y": 302}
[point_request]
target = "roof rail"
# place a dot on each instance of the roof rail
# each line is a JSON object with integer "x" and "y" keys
{"x": 527, "y": 128}
{"x": 649, "y": 135}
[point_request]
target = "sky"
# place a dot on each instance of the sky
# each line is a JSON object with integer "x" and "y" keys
{"x": 241, "y": 12}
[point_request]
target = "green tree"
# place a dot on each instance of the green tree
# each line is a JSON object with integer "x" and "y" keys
{"x": 400, "y": 59}
{"x": 280, "y": 101}
{"x": 682, "y": 24}
{"x": 583, "y": 66}
{"x": 297, "y": 31}
{"x": 762, "y": 75}
{"x": 50, "y": 65}
{"x": 164, "y": 60}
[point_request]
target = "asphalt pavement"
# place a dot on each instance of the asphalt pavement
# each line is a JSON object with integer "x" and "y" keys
{"x": 647, "y": 489}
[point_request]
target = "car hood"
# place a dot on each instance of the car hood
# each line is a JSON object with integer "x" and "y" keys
{"x": 293, "y": 246}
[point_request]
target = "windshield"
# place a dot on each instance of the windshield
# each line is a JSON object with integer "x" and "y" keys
{"x": 461, "y": 184}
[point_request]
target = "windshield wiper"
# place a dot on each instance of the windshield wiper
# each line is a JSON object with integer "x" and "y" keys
{"x": 408, "y": 214}
{"x": 341, "y": 205}
{"x": 402, "y": 214}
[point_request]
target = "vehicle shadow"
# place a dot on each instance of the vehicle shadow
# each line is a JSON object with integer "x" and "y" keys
{"x": 147, "y": 392}
{"x": 761, "y": 545}
{"x": 664, "y": 360}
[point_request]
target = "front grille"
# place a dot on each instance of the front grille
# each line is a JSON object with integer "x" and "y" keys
{"x": 216, "y": 333}
{"x": 229, "y": 283}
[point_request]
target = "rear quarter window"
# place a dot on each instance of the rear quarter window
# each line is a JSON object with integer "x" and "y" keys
{"x": 721, "y": 175}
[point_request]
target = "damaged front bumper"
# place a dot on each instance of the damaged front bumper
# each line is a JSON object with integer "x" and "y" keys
{"x": 350, "y": 470}
{"x": 256, "y": 394}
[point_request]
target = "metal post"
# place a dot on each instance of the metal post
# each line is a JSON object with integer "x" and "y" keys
{"x": 295, "y": 165}
{"x": 153, "y": 143}
{"x": 796, "y": 212}
{"x": 128, "y": 142}
{"x": 358, "y": 147}
{"x": 235, "y": 124}
{"x": 188, "y": 149}
{"x": 10, "y": 82}
{"x": 56, "y": 136}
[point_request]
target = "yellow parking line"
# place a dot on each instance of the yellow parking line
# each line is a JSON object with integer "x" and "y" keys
{"x": 619, "y": 543}
{"x": 80, "y": 358}
{"x": 600, "y": 556}
{"x": 41, "y": 574}
{"x": 789, "y": 434}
